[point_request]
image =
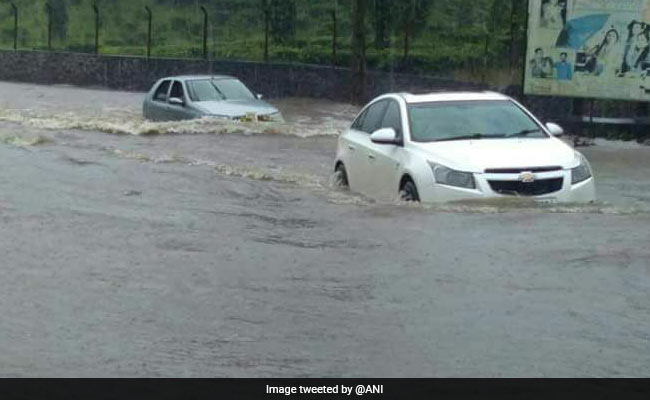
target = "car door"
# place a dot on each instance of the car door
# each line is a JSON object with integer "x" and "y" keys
{"x": 385, "y": 160}
{"x": 360, "y": 146}
{"x": 157, "y": 106}
{"x": 177, "y": 112}
{"x": 348, "y": 145}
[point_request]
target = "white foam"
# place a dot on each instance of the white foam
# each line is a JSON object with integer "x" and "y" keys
{"x": 128, "y": 123}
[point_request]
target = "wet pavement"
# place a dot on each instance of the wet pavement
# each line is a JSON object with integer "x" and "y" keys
{"x": 208, "y": 250}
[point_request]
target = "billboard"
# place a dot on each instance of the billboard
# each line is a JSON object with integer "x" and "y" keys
{"x": 589, "y": 48}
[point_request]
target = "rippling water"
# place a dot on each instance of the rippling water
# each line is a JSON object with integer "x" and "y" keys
{"x": 67, "y": 108}
{"x": 35, "y": 115}
{"x": 170, "y": 250}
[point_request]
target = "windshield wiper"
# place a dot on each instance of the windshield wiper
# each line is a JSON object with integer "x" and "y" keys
{"x": 525, "y": 132}
{"x": 223, "y": 96}
{"x": 469, "y": 137}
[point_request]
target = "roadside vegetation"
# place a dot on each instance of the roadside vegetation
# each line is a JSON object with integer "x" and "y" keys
{"x": 467, "y": 39}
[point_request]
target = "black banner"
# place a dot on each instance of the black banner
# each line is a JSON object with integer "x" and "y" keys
{"x": 322, "y": 389}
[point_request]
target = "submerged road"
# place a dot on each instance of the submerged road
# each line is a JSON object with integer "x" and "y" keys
{"x": 229, "y": 255}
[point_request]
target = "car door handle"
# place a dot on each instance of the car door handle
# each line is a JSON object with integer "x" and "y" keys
{"x": 351, "y": 147}
{"x": 371, "y": 156}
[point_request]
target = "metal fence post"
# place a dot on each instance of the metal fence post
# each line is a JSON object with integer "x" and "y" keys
{"x": 48, "y": 8}
{"x": 205, "y": 32}
{"x": 149, "y": 18}
{"x": 513, "y": 37}
{"x": 96, "y": 10}
{"x": 592, "y": 132}
{"x": 524, "y": 57}
{"x": 334, "y": 37}
{"x": 486, "y": 51}
{"x": 267, "y": 16}
{"x": 15, "y": 10}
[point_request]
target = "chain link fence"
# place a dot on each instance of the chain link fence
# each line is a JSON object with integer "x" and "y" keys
{"x": 471, "y": 40}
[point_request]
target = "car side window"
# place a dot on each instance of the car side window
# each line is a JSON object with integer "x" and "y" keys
{"x": 393, "y": 118}
{"x": 177, "y": 91}
{"x": 373, "y": 117}
{"x": 359, "y": 121}
{"x": 161, "y": 92}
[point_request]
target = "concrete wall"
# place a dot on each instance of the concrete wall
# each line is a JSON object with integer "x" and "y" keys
{"x": 270, "y": 79}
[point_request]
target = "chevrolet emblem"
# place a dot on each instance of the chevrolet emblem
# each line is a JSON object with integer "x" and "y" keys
{"x": 527, "y": 177}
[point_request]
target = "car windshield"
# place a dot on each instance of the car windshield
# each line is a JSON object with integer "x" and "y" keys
{"x": 460, "y": 120}
{"x": 217, "y": 90}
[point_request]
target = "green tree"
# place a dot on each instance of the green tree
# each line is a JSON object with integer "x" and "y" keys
{"x": 59, "y": 18}
{"x": 412, "y": 18}
{"x": 381, "y": 14}
{"x": 358, "y": 41}
{"x": 283, "y": 21}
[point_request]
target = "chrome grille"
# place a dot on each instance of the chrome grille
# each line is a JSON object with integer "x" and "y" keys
{"x": 537, "y": 188}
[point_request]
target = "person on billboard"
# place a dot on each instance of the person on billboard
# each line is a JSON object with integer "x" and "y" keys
{"x": 645, "y": 61}
{"x": 563, "y": 68}
{"x": 547, "y": 67}
{"x": 536, "y": 64}
{"x": 604, "y": 58}
{"x": 634, "y": 28}
{"x": 553, "y": 14}
{"x": 638, "y": 54}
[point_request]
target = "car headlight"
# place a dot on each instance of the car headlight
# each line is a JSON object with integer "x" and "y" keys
{"x": 580, "y": 173}
{"x": 450, "y": 177}
{"x": 275, "y": 117}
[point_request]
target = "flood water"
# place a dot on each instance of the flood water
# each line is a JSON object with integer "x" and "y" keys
{"x": 202, "y": 249}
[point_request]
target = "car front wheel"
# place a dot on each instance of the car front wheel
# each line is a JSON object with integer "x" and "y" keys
{"x": 341, "y": 177}
{"x": 409, "y": 192}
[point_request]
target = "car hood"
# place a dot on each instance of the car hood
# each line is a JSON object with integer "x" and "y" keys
{"x": 479, "y": 155}
{"x": 236, "y": 108}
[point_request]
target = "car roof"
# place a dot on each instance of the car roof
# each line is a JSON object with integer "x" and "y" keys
{"x": 191, "y": 77}
{"x": 451, "y": 96}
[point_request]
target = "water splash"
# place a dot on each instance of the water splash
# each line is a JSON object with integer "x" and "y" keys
{"x": 280, "y": 176}
{"x": 128, "y": 122}
{"x": 326, "y": 186}
{"x": 21, "y": 141}
{"x": 507, "y": 205}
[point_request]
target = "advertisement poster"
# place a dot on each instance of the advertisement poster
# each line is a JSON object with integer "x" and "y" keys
{"x": 589, "y": 48}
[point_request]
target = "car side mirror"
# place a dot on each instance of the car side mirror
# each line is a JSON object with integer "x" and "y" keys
{"x": 384, "y": 136}
{"x": 176, "y": 101}
{"x": 554, "y": 129}
{"x": 259, "y": 96}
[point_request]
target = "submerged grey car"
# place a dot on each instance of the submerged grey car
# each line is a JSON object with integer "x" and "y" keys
{"x": 189, "y": 97}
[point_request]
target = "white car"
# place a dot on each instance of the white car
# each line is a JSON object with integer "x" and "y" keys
{"x": 458, "y": 146}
